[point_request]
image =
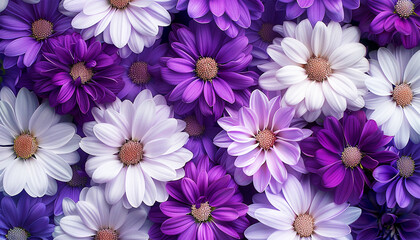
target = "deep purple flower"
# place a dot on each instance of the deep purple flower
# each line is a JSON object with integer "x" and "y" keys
{"x": 26, "y": 219}
{"x": 75, "y": 74}
{"x": 342, "y": 151}
{"x": 10, "y": 77}
{"x": 399, "y": 182}
{"x": 229, "y": 15}
{"x": 319, "y": 10}
{"x": 25, "y": 28}
{"x": 205, "y": 204}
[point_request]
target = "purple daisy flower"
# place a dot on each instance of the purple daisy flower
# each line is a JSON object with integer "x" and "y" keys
{"x": 319, "y": 10}
{"x": 26, "y": 219}
{"x": 342, "y": 151}
{"x": 207, "y": 69}
{"x": 229, "y": 15}
{"x": 25, "y": 28}
{"x": 75, "y": 74}
{"x": 399, "y": 182}
{"x": 205, "y": 204}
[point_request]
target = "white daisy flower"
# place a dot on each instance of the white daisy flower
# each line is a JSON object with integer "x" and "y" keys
{"x": 135, "y": 149}
{"x": 393, "y": 100}
{"x": 125, "y": 23}
{"x": 300, "y": 212}
{"x": 321, "y": 69}
{"x": 36, "y": 146}
{"x": 93, "y": 218}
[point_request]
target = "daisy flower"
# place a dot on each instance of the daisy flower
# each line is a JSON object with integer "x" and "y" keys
{"x": 125, "y": 23}
{"x": 342, "y": 150}
{"x": 37, "y": 147}
{"x": 25, "y": 28}
{"x": 321, "y": 69}
{"x": 393, "y": 100}
{"x": 93, "y": 218}
{"x": 300, "y": 212}
{"x": 135, "y": 148}
{"x": 262, "y": 140}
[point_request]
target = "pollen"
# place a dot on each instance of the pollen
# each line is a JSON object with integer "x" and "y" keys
{"x": 202, "y": 213}
{"x": 206, "y": 68}
{"x": 266, "y": 139}
{"x": 41, "y": 29}
{"x": 304, "y": 225}
{"x": 120, "y": 4}
{"x": 79, "y": 70}
{"x": 193, "y": 127}
{"x": 318, "y": 69}
{"x": 138, "y": 73}
{"x": 25, "y": 146}
{"x": 402, "y": 95}
{"x": 404, "y": 8}
{"x": 351, "y": 157}
{"x": 17, "y": 233}
{"x": 106, "y": 234}
{"x": 131, "y": 153}
{"x": 406, "y": 166}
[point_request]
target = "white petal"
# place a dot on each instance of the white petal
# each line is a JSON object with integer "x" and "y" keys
{"x": 143, "y": 119}
{"x": 273, "y": 218}
{"x": 109, "y": 134}
{"x": 337, "y": 102}
{"x": 8, "y": 118}
{"x": 136, "y": 42}
{"x": 350, "y": 34}
{"x": 107, "y": 171}
{"x": 268, "y": 81}
{"x": 343, "y": 86}
{"x": 41, "y": 120}
{"x": 54, "y": 165}
{"x": 94, "y": 163}
{"x": 134, "y": 185}
{"x": 296, "y": 93}
{"x": 314, "y": 97}
{"x": 142, "y": 22}
{"x": 383, "y": 112}
{"x": 412, "y": 70}
{"x": 277, "y": 54}
{"x": 150, "y": 194}
{"x": 389, "y": 65}
{"x": 15, "y": 177}
{"x": 288, "y": 234}
{"x": 115, "y": 189}
{"x": 413, "y": 117}
{"x": 6, "y": 138}
{"x": 70, "y": 146}
{"x": 3, "y": 4}
{"x": 96, "y": 6}
{"x": 304, "y": 33}
{"x": 117, "y": 216}
{"x": 404, "y": 134}
{"x": 378, "y": 86}
{"x": 74, "y": 5}
{"x": 102, "y": 25}
{"x": 258, "y": 231}
{"x": 289, "y": 75}
{"x": 332, "y": 229}
{"x": 120, "y": 29}
{"x": 83, "y": 21}
{"x": 320, "y": 39}
{"x": 296, "y": 198}
{"x": 158, "y": 171}
{"x": 73, "y": 225}
{"x": 295, "y": 50}
{"x": 26, "y": 104}
{"x": 349, "y": 216}
{"x": 89, "y": 214}
{"x": 56, "y": 136}
{"x": 95, "y": 196}
{"x": 37, "y": 178}
{"x": 347, "y": 55}
{"x": 93, "y": 146}
{"x": 393, "y": 124}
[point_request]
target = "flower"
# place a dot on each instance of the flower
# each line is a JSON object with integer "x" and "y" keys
{"x": 320, "y": 69}
{"x": 300, "y": 212}
{"x": 205, "y": 204}
{"x": 229, "y": 16}
{"x": 394, "y": 89}
{"x": 135, "y": 149}
{"x": 206, "y": 69}
{"x": 342, "y": 150}
{"x": 25, "y": 28}
{"x": 37, "y": 146}
{"x": 26, "y": 219}
{"x": 133, "y": 23}
{"x": 399, "y": 181}
{"x": 75, "y": 74}
{"x": 261, "y": 139}
{"x": 318, "y": 10}
{"x": 93, "y": 218}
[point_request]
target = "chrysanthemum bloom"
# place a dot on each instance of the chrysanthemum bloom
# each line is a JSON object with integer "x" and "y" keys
{"x": 262, "y": 140}
{"x": 142, "y": 71}
{"x": 132, "y": 23}
{"x": 207, "y": 69}
{"x": 399, "y": 182}
{"x": 135, "y": 149}
{"x": 378, "y": 222}
{"x": 230, "y": 16}
{"x": 24, "y": 28}
{"x": 205, "y": 204}
{"x": 319, "y": 10}
{"x": 300, "y": 212}
{"x": 321, "y": 69}
{"x": 93, "y": 218}
{"x": 37, "y": 146}
{"x": 75, "y": 74}
{"x": 342, "y": 151}
{"x": 394, "y": 90}
{"x": 26, "y": 219}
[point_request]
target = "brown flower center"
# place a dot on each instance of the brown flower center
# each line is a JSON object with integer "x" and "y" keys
{"x": 77, "y": 180}
{"x": 106, "y": 234}
{"x": 138, "y": 73}
{"x": 402, "y": 94}
{"x": 266, "y": 33}
{"x": 266, "y": 139}
{"x": 206, "y": 68}
{"x": 351, "y": 156}
{"x": 120, "y": 4}
{"x": 406, "y": 166}
{"x": 201, "y": 214}
{"x": 17, "y": 233}
{"x": 41, "y": 29}
{"x": 193, "y": 127}
{"x": 79, "y": 70}
{"x": 25, "y": 146}
{"x": 131, "y": 153}
{"x": 404, "y": 8}
{"x": 318, "y": 69}
{"x": 304, "y": 225}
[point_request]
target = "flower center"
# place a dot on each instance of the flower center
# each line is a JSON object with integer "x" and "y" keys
{"x": 77, "y": 180}
{"x": 17, "y": 233}
{"x": 79, "y": 70}
{"x": 266, "y": 139}
{"x": 206, "y": 68}
{"x": 404, "y": 8}
{"x": 201, "y": 214}
{"x": 266, "y": 33}
{"x": 25, "y": 146}
{"x": 193, "y": 127}
{"x": 131, "y": 153}
{"x": 318, "y": 69}
{"x": 402, "y": 94}
{"x": 406, "y": 166}
{"x": 106, "y": 234}
{"x": 138, "y": 73}
{"x": 351, "y": 156}
{"x": 41, "y": 29}
{"x": 304, "y": 225}
{"x": 120, "y": 4}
